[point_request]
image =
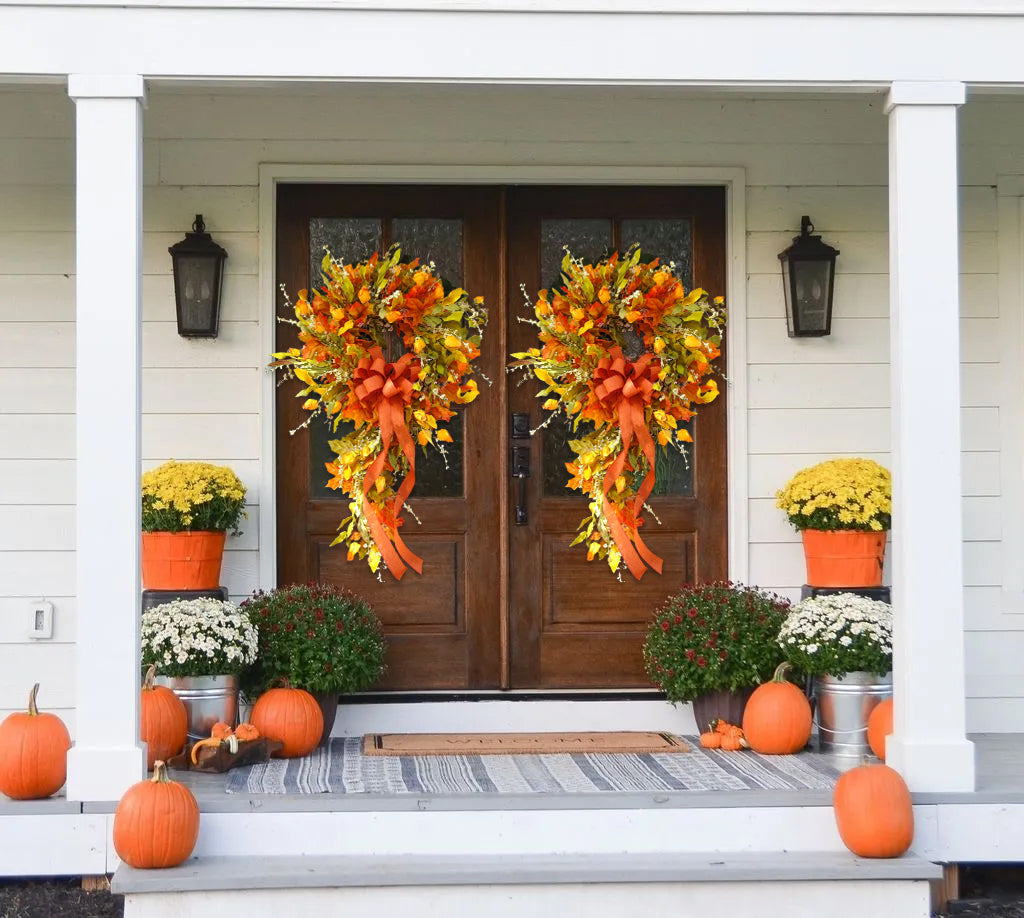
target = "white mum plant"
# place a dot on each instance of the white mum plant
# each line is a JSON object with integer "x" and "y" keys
{"x": 838, "y": 634}
{"x": 198, "y": 637}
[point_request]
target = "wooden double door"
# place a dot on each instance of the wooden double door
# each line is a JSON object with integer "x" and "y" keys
{"x": 503, "y": 601}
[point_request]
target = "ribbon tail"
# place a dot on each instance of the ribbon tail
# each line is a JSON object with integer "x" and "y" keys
{"x": 623, "y": 543}
{"x": 382, "y": 541}
{"x": 643, "y": 436}
{"x": 413, "y": 560}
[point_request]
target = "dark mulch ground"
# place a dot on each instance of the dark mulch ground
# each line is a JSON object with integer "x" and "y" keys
{"x": 986, "y": 892}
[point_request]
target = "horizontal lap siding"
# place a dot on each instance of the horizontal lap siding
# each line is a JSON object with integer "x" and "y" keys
{"x": 808, "y": 399}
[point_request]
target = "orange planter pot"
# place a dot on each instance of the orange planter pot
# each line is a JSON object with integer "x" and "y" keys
{"x": 839, "y": 558}
{"x": 182, "y": 560}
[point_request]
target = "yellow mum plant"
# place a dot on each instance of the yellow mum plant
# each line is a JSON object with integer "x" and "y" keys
{"x": 196, "y": 496}
{"x": 852, "y": 494}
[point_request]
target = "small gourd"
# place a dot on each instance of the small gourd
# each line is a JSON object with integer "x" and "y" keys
{"x": 711, "y": 740}
{"x": 246, "y": 733}
{"x": 221, "y": 730}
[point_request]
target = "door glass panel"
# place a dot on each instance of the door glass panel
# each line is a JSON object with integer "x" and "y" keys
{"x": 589, "y": 240}
{"x": 355, "y": 239}
{"x": 667, "y": 240}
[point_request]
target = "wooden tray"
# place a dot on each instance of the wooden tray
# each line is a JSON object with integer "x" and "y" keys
{"x": 218, "y": 759}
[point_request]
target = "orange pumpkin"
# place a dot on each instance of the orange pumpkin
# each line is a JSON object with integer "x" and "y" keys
{"x": 33, "y": 753}
{"x": 246, "y": 732}
{"x": 732, "y": 742}
{"x": 777, "y": 719}
{"x": 163, "y": 720}
{"x": 221, "y": 730}
{"x": 156, "y": 824}
{"x": 873, "y": 811}
{"x": 879, "y": 727}
{"x": 711, "y": 740}
{"x": 292, "y": 717}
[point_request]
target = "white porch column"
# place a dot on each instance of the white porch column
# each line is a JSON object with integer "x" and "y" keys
{"x": 107, "y": 757}
{"x": 928, "y": 747}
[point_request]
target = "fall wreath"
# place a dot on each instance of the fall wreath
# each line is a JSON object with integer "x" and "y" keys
{"x": 346, "y": 327}
{"x": 626, "y": 356}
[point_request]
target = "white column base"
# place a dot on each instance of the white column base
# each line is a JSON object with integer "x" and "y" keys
{"x": 933, "y": 767}
{"x": 101, "y": 775}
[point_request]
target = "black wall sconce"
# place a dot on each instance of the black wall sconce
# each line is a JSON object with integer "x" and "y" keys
{"x": 808, "y": 276}
{"x": 198, "y": 264}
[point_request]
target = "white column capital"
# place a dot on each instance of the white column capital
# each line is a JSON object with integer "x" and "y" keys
{"x": 905, "y": 92}
{"x": 106, "y": 86}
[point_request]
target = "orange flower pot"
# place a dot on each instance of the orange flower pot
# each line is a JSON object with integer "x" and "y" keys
{"x": 841, "y": 558}
{"x": 182, "y": 560}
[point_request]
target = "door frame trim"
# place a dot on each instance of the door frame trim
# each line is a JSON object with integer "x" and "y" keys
{"x": 732, "y": 178}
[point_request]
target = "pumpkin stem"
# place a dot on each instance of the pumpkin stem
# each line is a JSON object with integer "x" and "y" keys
{"x": 780, "y": 672}
{"x": 147, "y": 683}
{"x": 33, "y": 711}
{"x": 159, "y": 772}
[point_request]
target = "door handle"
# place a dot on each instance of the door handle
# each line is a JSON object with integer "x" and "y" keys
{"x": 520, "y": 462}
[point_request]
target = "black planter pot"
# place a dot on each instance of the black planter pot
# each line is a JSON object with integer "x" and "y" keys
{"x": 328, "y": 702}
{"x": 727, "y": 706}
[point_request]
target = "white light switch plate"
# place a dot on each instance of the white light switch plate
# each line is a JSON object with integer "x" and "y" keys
{"x": 41, "y": 620}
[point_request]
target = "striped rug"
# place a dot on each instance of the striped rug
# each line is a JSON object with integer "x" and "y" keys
{"x": 343, "y": 769}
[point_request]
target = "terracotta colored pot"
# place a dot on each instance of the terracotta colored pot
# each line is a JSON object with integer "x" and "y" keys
{"x": 182, "y": 560}
{"x": 841, "y": 558}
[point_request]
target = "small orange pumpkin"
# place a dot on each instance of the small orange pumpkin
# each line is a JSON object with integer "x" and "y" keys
{"x": 33, "y": 753}
{"x": 291, "y": 716}
{"x": 711, "y": 740}
{"x": 156, "y": 824}
{"x": 221, "y": 730}
{"x": 163, "y": 720}
{"x": 879, "y": 727}
{"x": 777, "y": 719}
{"x": 732, "y": 742}
{"x": 873, "y": 811}
{"x": 246, "y": 733}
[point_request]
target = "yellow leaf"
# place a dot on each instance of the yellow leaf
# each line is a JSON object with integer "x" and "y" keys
{"x": 659, "y": 345}
{"x": 550, "y": 405}
{"x": 310, "y": 404}
{"x": 418, "y": 345}
{"x": 380, "y": 483}
{"x": 450, "y": 341}
{"x": 423, "y": 437}
{"x": 664, "y": 437}
{"x": 364, "y": 295}
{"x": 469, "y": 396}
{"x": 620, "y": 483}
{"x": 543, "y": 375}
{"x": 303, "y": 376}
{"x": 592, "y": 550}
{"x": 684, "y": 435}
{"x": 444, "y": 436}
{"x": 603, "y": 295}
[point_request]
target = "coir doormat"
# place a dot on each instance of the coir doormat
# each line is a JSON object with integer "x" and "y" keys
{"x": 625, "y": 741}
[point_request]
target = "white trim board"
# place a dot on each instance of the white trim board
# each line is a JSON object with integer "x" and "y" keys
{"x": 733, "y": 178}
{"x": 1010, "y": 207}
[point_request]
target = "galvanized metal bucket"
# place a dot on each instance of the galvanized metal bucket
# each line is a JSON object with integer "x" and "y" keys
{"x": 207, "y": 700}
{"x": 842, "y": 708}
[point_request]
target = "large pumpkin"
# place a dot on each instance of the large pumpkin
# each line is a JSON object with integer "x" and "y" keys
{"x": 33, "y": 753}
{"x": 879, "y": 727}
{"x": 777, "y": 718}
{"x": 156, "y": 824}
{"x": 873, "y": 811}
{"x": 163, "y": 720}
{"x": 291, "y": 716}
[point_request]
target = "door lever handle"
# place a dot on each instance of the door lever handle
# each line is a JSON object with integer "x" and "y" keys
{"x": 520, "y": 471}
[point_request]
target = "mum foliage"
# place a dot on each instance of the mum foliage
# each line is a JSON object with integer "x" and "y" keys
{"x": 197, "y": 637}
{"x": 318, "y": 637}
{"x": 714, "y": 637}
{"x": 853, "y": 494}
{"x": 197, "y": 496}
{"x": 346, "y": 327}
{"x": 839, "y": 633}
{"x": 625, "y": 354}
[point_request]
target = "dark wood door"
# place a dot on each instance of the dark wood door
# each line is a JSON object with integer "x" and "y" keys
{"x": 574, "y": 623}
{"x": 501, "y": 605}
{"x": 443, "y": 627}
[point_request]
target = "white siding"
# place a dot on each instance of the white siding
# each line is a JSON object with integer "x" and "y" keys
{"x": 809, "y": 399}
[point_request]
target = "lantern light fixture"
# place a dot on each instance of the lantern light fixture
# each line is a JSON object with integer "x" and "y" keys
{"x": 808, "y": 278}
{"x": 198, "y": 265}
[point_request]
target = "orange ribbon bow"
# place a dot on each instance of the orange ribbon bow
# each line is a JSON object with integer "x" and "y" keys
{"x": 387, "y": 388}
{"x": 627, "y": 388}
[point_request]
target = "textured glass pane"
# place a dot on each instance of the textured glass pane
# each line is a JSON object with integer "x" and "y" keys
{"x": 349, "y": 239}
{"x": 433, "y": 478}
{"x": 589, "y": 240}
{"x": 354, "y": 239}
{"x": 668, "y": 240}
{"x": 674, "y": 471}
{"x": 429, "y": 240}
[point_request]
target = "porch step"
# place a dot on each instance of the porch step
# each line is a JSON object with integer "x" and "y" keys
{"x": 799, "y": 885}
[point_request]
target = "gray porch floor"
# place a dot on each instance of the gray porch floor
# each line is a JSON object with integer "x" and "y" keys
{"x": 1000, "y": 779}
